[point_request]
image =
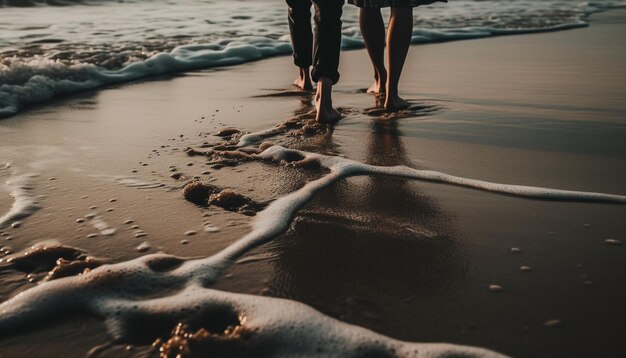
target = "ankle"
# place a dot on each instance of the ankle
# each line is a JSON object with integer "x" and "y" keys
{"x": 381, "y": 77}
{"x": 324, "y": 92}
{"x": 304, "y": 73}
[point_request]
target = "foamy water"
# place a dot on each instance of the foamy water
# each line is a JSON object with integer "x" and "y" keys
{"x": 17, "y": 185}
{"x": 165, "y": 289}
{"x": 46, "y": 50}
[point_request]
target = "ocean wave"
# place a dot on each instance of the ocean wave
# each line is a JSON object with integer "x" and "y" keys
{"x": 32, "y": 3}
{"x": 58, "y": 65}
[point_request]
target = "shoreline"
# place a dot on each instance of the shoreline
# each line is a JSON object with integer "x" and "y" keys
{"x": 410, "y": 260}
{"x": 196, "y": 57}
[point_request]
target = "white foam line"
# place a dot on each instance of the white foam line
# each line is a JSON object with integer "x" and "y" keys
{"x": 113, "y": 293}
{"x": 275, "y": 219}
{"x": 123, "y": 294}
{"x": 24, "y": 203}
{"x": 255, "y": 137}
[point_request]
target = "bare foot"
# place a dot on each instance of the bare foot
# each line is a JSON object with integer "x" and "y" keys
{"x": 379, "y": 84}
{"x": 324, "y": 103}
{"x": 376, "y": 88}
{"x": 303, "y": 82}
{"x": 394, "y": 103}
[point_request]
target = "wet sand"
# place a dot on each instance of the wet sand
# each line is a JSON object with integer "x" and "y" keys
{"x": 411, "y": 260}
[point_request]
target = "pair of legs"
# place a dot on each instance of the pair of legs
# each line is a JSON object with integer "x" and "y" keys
{"x": 319, "y": 48}
{"x": 398, "y": 41}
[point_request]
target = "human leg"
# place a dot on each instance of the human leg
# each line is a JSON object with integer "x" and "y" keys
{"x": 373, "y": 32}
{"x": 326, "y": 50}
{"x": 398, "y": 41}
{"x": 299, "y": 16}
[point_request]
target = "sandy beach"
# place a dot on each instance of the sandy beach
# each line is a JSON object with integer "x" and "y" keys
{"x": 412, "y": 260}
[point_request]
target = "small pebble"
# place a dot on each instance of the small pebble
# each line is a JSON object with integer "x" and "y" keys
{"x": 9, "y": 238}
{"x": 90, "y": 216}
{"x": 189, "y": 164}
{"x": 495, "y": 288}
{"x": 143, "y": 247}
{"x": 110, "y": 209}
{"x": 206, "y": 172}
{"x": 525, "y": 268}
{"x": 16, "y": 224}
{"x": 91, "y": 236}
{"x": 613, "y": 242}
{"x": 52, "y": 179}
{"x": 552, "y": 323}
{"x": 127, "y": 222}
{"x": 84, "y": 197}
{"x": 80, "y": 221}
{"x": 515, "y": 250}
{"x": 184, "y": 242}
{"x": 112, "y": 200}
{"x": 108, "y": 232}
{"x": 190, "y": 233}
{"x": 139, "y": 235}
{"x": 211, "y": 228}
{"x": 93, "y": 207}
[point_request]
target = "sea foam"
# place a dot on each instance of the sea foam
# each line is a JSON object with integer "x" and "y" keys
{"x": 24, "y": 202}
{"x": 52, "y": 51}
{"x": 158, "y": 291}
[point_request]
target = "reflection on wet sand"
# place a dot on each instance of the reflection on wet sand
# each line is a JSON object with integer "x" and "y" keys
{"x": 367, "y": 246}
